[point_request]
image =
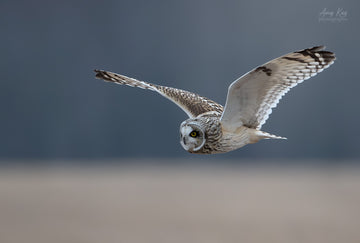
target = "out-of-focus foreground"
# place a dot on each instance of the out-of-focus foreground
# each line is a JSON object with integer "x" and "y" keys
{"x": 180, "y": 204}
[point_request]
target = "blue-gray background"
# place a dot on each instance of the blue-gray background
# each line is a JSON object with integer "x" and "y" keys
{"x": 52, "y": 107}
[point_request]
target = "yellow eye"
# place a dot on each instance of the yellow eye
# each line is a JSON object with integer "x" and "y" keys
{"x": 193, "y": 134}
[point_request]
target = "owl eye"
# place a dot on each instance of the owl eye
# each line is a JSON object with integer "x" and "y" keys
{"x": 194, "y": 134}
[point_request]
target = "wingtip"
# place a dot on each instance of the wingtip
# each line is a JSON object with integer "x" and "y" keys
{"x": 318, "y": 51}
{"x": 99, "y": 73}
{"x": 317, "y": 48}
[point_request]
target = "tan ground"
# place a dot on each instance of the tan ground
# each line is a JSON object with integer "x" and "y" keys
{"x": 170, "y": 204}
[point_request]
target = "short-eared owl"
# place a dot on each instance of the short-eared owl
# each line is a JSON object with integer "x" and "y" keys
{"x": 213, "y": 128}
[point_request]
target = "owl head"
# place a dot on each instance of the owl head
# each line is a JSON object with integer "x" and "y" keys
{"x": 201, "y": 134}
{"x": 192, "y": 136}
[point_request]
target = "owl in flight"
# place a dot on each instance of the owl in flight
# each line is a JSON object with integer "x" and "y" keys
{"x": 212, "y": 128}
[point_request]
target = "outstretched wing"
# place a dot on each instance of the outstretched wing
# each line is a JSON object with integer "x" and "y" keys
{"x": 191, "y": 103}
{"x": 251, "y": 98}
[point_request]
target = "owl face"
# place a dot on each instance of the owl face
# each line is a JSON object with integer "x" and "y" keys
{"x": 192, "y": 136}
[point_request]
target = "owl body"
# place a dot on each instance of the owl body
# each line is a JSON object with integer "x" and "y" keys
{"x": 209, "y": 136}
{"x": 212, "y": 128}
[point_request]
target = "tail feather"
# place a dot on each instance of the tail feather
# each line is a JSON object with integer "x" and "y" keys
{"x": 265, "y": 135}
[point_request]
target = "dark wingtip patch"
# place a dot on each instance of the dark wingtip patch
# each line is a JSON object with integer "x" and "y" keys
{"x": 310, "y": 52}
{"x": 327, "y": 55}
{"x": 99, "y": 73}
{"x": 266, "y": 70}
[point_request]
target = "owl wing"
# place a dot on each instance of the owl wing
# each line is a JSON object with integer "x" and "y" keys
{"x": 251, "y": 98}
{"x": 191, "y": 103}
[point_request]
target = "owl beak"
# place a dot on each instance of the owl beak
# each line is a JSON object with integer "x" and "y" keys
{"x": 185, "y": 145}
{"x": 184, "y": 140}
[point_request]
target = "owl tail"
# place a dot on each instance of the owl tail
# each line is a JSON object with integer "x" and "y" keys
{"x": 265, "y": 135}
{"x": 257, "y": 135}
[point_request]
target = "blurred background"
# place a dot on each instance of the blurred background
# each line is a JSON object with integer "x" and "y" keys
{"x": 53, "y": 107}
{"x": 87, "y": 161}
